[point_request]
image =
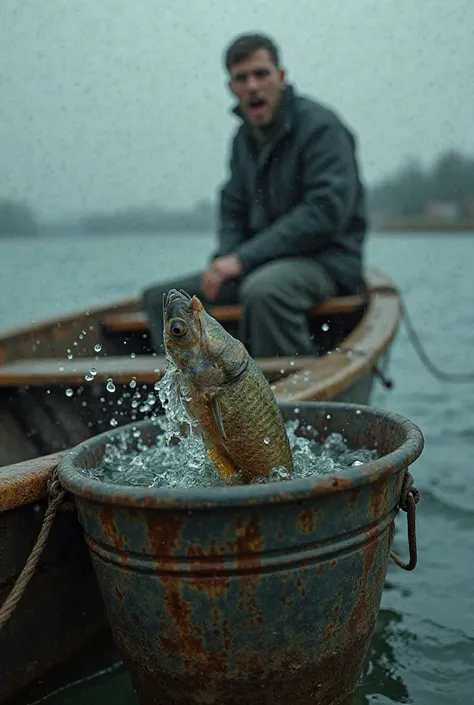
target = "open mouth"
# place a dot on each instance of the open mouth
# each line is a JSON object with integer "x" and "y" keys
{"x": 176, "y": 303}
{"x": 256, "y": 107}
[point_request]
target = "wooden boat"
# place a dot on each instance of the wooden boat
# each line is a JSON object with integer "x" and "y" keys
{"x": 55, "y": 382}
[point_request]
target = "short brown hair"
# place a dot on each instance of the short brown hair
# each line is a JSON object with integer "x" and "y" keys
{"x": 246, "y": 44}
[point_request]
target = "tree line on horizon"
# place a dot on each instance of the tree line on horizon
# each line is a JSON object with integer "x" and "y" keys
{"x": 409, "y": 191}
{"x": 413, "y": 190}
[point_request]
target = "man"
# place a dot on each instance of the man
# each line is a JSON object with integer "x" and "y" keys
{"x": 292, "y": 214}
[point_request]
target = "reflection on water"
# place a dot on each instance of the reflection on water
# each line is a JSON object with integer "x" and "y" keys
{"x": 382, "y": 673}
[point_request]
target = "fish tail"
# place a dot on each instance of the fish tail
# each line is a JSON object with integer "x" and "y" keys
{"x": 224, "y": 466}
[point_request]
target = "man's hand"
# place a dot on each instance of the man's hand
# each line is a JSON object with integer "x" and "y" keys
{"x": 221, "y": 269}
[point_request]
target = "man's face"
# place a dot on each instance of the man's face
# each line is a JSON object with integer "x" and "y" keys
{"x": 257, "y": 84}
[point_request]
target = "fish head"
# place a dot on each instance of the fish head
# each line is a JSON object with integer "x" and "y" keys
{"x": 182, "y": 330}
{"x": 197, "y": 343}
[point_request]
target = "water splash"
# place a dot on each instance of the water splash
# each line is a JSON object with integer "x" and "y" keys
{"x": 110, "y": 385}
{"x": 178, "y": 457}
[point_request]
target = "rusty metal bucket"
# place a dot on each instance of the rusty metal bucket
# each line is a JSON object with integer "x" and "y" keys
{"x": 253, "y": 594}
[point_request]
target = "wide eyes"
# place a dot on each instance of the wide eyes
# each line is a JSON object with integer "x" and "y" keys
{"x": 178, "y": 327}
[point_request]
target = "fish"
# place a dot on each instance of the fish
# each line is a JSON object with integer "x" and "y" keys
{"x": 223, "y": 388}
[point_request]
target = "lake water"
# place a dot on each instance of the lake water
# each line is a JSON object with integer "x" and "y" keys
{"x": 423, "y": 648}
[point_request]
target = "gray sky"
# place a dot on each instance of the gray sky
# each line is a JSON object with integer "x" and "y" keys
{"x": 110, "y": 103}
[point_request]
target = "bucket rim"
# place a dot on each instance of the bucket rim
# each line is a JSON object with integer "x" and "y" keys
{"x": 285, "y": 491}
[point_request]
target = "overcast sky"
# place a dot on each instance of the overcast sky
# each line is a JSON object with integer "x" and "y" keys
{"x": 109, "y": 103}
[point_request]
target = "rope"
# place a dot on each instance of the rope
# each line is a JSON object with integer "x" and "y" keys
{"x": 414, "y": 339}
{"x": 56, "y": 498}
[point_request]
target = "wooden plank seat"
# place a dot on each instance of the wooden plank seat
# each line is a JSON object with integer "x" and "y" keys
{"x": 122, "y": 369}
{"x": 136, "y": 322}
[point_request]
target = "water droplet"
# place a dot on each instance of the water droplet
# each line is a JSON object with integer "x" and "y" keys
{"x": 292, "y": 363}
{"x": 89, "y": 377}
{"x": 357, "y": 462}
{"x": 358, "y": 412}
{"x": 110, "y": 386}
{"x": 75, "y": 343}
{"x": 70, "y": 355}
{"x": 69, "y": 392}
{"x": 93, "y": 371}
{"x": 296, "y": 410}
{"x": 328, "y": 416}
{"x": 325, "y": 327}
{"x": 156, "y": 386}
{"x": 113, "y": 422}
{"x": 97, "y": 347}
{"x": 266, "y": 441}
{"x": 132, "y": 355}
{"x": 133, "y": 384}
{"x": 84, "y": 404}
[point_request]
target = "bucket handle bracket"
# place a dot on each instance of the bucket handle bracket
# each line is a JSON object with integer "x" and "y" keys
{"x": 409, "y": 498}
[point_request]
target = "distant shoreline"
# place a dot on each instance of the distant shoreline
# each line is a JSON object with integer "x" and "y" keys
{"x": 414, "y": 224}
{"x": 424, "y": 224}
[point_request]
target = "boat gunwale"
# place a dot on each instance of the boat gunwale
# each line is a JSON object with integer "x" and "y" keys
{"x": 129, "y": 304}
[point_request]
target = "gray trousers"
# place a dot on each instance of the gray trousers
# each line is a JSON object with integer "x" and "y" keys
{"x": 275, "y": 300}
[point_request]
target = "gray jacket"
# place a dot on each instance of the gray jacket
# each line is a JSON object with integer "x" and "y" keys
{"x": 299, "y": 195}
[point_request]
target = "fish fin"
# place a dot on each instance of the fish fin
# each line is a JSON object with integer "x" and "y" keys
{"x": 196, "y": 307}
{"x": 224, "y": 466}
{"x": 217, "y": 413}
{"x": 196, "y": 304}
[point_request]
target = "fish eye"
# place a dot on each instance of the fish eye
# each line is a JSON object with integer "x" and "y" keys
{"x": 178, "y": 327}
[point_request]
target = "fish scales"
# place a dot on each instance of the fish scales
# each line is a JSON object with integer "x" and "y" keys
{"x": 256, "y": 437}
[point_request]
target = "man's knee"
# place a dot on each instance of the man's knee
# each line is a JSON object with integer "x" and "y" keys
{"x": 260, "y": 285}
